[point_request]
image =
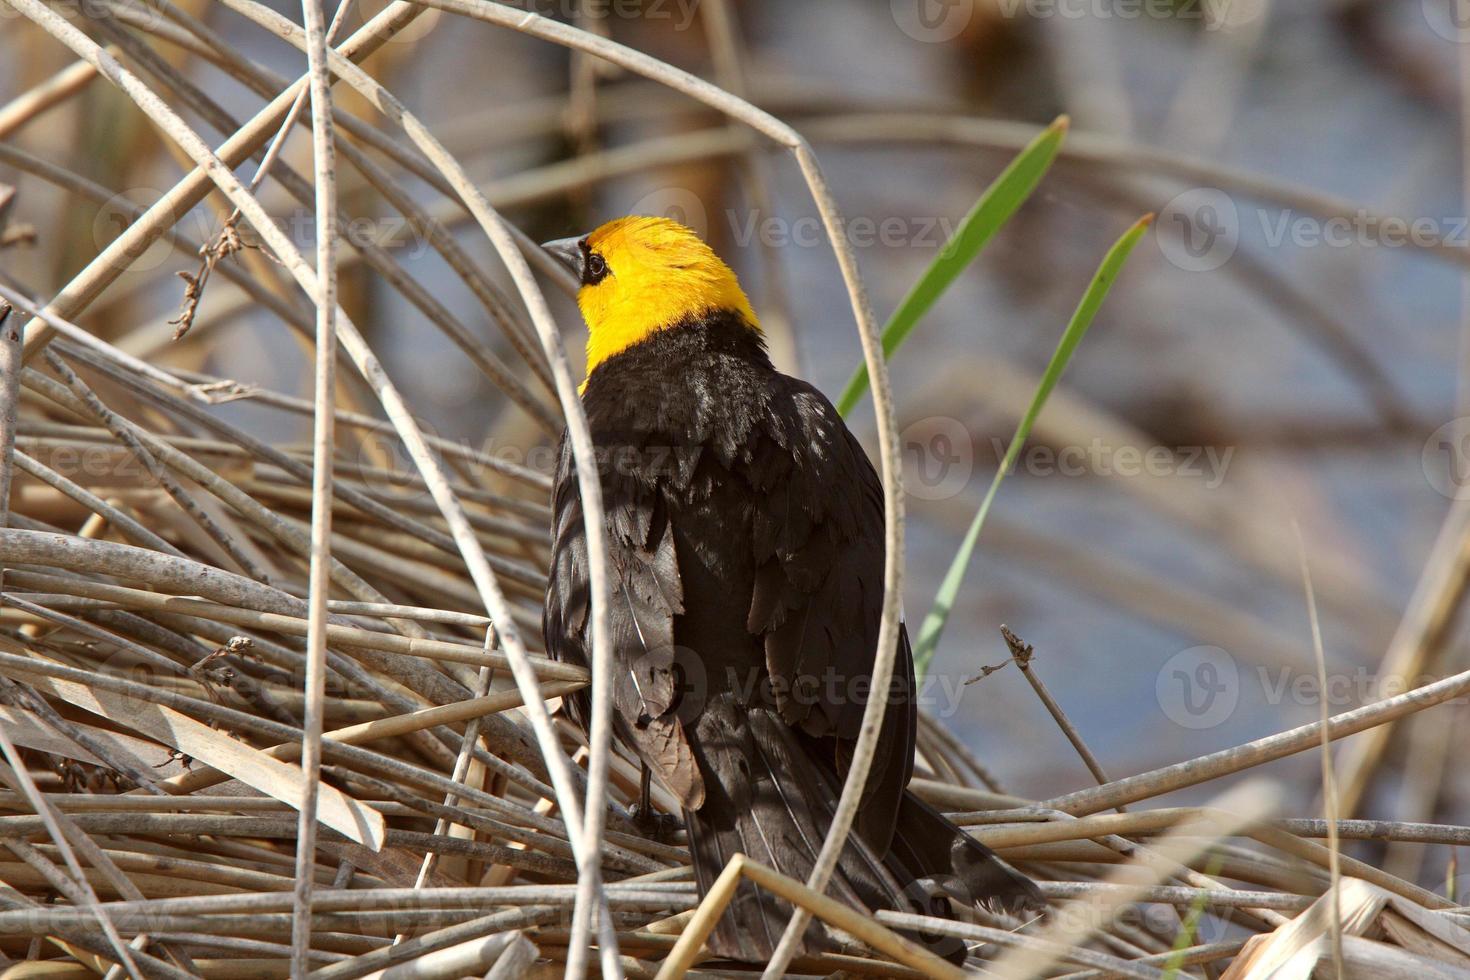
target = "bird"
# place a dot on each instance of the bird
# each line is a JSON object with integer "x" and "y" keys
{"x": 743, "y": 523}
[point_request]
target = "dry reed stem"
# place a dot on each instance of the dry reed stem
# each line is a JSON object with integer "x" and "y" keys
{"x": 1416, "y": 645}
{"x": 319, "y": 581}
{"x": 114, "y": 259}
{"x": 17, "y": 775}
{"x": 1022, "y": 653}
{"x": 102, "y": 612}
{"x": 886, "y": 653}
{"x": 587, "y": 475}
{"x": 835, "y": 913}
{"x": 1227, "y": 761}
{"x": 372, "y": 371}
{"x": 1068, "y": 420}
{"x": 1238, "y": 808}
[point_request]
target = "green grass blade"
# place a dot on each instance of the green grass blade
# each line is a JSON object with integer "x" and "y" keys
{"x": 995, "y": 207}
{"x": 1189, "y": 928}
{"x": 1087, "y": 308}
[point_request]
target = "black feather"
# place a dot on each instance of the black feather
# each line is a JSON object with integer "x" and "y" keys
{"x": 745, "y": 530}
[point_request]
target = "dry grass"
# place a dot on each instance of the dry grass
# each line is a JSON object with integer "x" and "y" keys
{"x": 205, "y": 635}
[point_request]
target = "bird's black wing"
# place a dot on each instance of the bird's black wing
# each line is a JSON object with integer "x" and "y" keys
{"x": 818, "y": 593}
{"x": 646, "y": 595}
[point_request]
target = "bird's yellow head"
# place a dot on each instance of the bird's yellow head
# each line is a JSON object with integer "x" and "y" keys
{"x": 641, "y": 275}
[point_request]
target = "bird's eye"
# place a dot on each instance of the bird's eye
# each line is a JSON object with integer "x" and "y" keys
{"x": 595, "y": 269}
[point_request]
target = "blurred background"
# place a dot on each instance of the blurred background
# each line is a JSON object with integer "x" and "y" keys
{"x": 1280, "y": 370}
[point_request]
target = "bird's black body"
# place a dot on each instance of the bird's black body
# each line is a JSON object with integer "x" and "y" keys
{"x": 745, "y": 537}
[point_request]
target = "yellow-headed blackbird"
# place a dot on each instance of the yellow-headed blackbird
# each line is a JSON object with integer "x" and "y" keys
{"x": 745, "y": 532}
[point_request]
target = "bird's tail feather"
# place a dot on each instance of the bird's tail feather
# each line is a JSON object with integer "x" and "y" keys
{"x": 766, "y": 798}
{"x": 928, "y": 845}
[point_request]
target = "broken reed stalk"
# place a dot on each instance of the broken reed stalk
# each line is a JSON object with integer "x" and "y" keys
{"x": 75, "y": 599}
{"x": 1023, "y": 653}
{"x": 1229, "y": 761}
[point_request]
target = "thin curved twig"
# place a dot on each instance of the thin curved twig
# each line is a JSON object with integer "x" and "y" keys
{"x": 886, "y": 654}
{"x": 319, "y": 586}
{"x": 113, "y": 261}
{"x": 215, "y": 170}
{"x": 589, "y": 480}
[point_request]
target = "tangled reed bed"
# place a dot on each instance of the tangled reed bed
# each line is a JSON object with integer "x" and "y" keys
{"x": 205, "y": 634}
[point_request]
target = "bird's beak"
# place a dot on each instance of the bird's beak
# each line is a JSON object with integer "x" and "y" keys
{"x": 568, "y": 253}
